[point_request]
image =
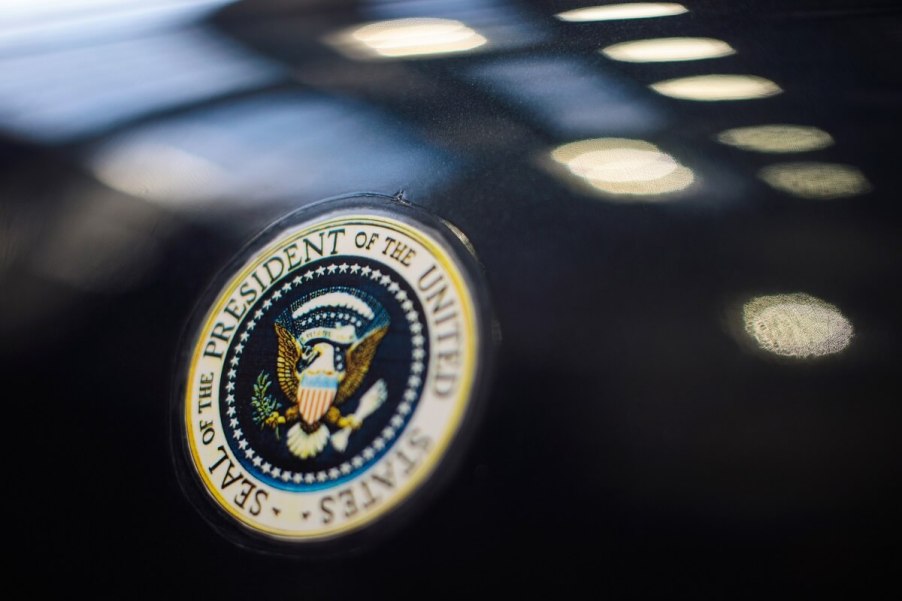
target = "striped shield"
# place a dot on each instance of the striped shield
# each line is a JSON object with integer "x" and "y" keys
{"x": 315, "y": 395}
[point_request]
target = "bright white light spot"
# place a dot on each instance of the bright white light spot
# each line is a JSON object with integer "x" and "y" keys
{"x": 776, "y": 139}
{"x": 622, "y": 167}
{"x": 709, "y": 88}
{"x": 615, "y": 12}
{"x": 796, "y": 325}
{"x": 816, "y": 180}
{"x": 663, "y": 50}
{"x": 407, "y": 38}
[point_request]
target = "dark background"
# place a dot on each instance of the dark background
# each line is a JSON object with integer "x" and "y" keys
{"x": 634, "y": 443}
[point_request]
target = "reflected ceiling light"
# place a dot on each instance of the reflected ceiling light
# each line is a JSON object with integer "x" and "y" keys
{"x": 28, "y": 25}
{"x": 57, "y": 96}
{"x": 796, "y": 325}
{"x": 623, "y": 167}
{"x": 615, "y": 12}
{"x": 158, "y": 173}
{"x": 776, "y": 139}
{"x": 663, "y": 50}
{"x": 565, "y": 93}
{"x": 710, "y": 88}
{"x": 237, "y": 154}
{"x": 816, "y": 180}
{"x": 407, "y": 38}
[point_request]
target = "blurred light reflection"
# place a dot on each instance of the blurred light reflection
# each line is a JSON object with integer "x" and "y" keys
{"x": 571, "y": 98}
{"x": 615, "y": 12}
{"x": 662, "y": 50}
{"x": 407, "y": 38}
{"x": 161, "y": 173}
{"x": 285, "y": 146}
{"x": 55, "y": 96}
{"x": 776, "y": 139}
{"x": 814, "y": 180}
{"x": 501, "y": 22}
{"x": 41, "y": 25}
{"x": 709, "y": 88}
{"x": 796, "y": 325}
{"x": 621, "y": 167}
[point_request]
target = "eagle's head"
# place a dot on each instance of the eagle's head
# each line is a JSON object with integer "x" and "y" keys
{"x": 321, "y": 357}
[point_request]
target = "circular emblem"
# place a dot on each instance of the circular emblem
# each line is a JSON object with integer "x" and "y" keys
{"x": 331, "y": 373}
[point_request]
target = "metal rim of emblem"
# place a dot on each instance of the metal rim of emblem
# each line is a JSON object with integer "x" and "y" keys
{"x": 332, "y": 373}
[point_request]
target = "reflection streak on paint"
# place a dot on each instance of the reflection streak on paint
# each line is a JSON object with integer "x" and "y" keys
{"x": 776, "y": 139}
{"x": 160, "y": 173}
{"x": 237, "y": 153}
{"x": 57, "y": 96}
{"x": 407, "y": 38}
{"x": 710, "y": 88}
{"x": 662, "y": 50}
{"x": 815, "y": 180}
{"x": 796, "y": 325}
{"x": 616, "y": 12}
{"x": 570, "y": 97}
{"x": 622, "y": 167}
{"x": 41, "y": 25}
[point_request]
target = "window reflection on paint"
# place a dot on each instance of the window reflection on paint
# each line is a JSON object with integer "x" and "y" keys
{"x": 796, "y": 325}
{"x": 710, "y": 88}
{"x": 159, "y": 172}
{"x": 572, "y": 98}
{"x": 816, "y": 180}
{"x": 60, "y": 95}
{"x": 663, "y": 50}
{"x": 239, "y": 153}
{"x": 616, "y": 12}
{"x": 776, "y": 139}
{"x": 407, "y": 38}
{"x": 618, "y": 167}
{"x": 42, "y": 25}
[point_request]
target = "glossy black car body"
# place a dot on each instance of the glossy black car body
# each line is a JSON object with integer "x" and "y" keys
{"x": 637, "y": 439}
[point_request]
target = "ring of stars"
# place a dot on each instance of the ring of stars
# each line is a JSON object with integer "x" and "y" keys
{"x": 388, "y": 433}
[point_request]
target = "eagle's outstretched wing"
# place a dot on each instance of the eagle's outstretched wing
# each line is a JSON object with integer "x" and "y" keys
{"x": 286, "y": 362}
{"x": 357, "y": 363}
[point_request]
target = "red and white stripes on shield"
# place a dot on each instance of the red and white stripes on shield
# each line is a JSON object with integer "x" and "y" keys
{"x": 314, "y": 401}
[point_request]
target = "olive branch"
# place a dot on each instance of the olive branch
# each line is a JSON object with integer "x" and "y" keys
{"x": 262, "y": 403}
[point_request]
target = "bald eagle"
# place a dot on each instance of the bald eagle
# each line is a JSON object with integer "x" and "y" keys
{"x": 318, "y": 379}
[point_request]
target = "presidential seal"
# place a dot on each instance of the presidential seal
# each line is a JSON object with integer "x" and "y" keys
{"x": 331, "y": 372}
